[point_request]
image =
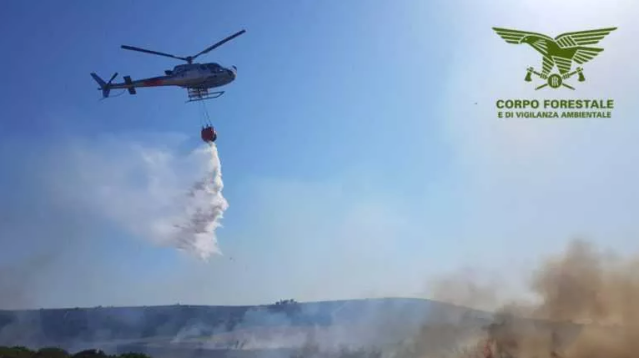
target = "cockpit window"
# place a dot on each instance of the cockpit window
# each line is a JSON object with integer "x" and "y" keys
{"x": 214, "y": 67}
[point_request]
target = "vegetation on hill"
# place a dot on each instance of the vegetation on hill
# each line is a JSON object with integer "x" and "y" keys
{"x": 289, "y": 307}
{"x": 54, "y": 352}
{"x": 154, "y": 329}
{"x": 67, "y": 326}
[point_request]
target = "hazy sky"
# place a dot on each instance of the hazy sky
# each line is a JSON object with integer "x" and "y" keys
{"x": 360, "y": 148}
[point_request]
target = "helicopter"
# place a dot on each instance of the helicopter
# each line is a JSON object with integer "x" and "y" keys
{"x": 197, "y": 78}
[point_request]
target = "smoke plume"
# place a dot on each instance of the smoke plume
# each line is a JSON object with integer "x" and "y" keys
{"x": 585, "y": 306}
{"x": 594, "y": 288}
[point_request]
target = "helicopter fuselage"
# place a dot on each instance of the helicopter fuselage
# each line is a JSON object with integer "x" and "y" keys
{"x": 197, "y": 78}
{"x": 195, "y": 75}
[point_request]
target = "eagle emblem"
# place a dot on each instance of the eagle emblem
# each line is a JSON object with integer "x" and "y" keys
{"x": 559, "y": 52}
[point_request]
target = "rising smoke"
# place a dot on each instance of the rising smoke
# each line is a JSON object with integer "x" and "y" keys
{"x": 585, "y": 307}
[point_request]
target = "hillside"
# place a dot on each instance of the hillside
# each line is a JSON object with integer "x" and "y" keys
{"x": 277, "y": 330}
{"x": 284, "y": 325}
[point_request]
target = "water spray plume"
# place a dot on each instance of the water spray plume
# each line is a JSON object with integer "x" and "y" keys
{"x": 170, "y": 200}
{"x": 204, "y": 206}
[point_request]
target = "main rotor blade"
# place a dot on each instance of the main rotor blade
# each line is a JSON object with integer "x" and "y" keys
{"x": 151, "y": 52}
{"x": 113, "y": 77}
{"x": 220, "y": 43}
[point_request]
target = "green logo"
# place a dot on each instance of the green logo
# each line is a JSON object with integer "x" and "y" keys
{"x": 561, "y": 52}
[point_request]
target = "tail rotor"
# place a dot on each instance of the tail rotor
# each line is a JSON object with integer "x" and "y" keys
{"x": 105, "y": 87}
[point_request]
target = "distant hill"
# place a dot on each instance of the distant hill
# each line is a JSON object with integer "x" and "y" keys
{"x": 223, "y": 326}
{"x": 266, "y": 331}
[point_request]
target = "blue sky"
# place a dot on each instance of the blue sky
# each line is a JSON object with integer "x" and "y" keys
{"x": 355, "y": 160}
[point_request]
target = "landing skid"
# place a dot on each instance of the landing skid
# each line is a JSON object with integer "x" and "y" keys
{"x": 201, "y": 94}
